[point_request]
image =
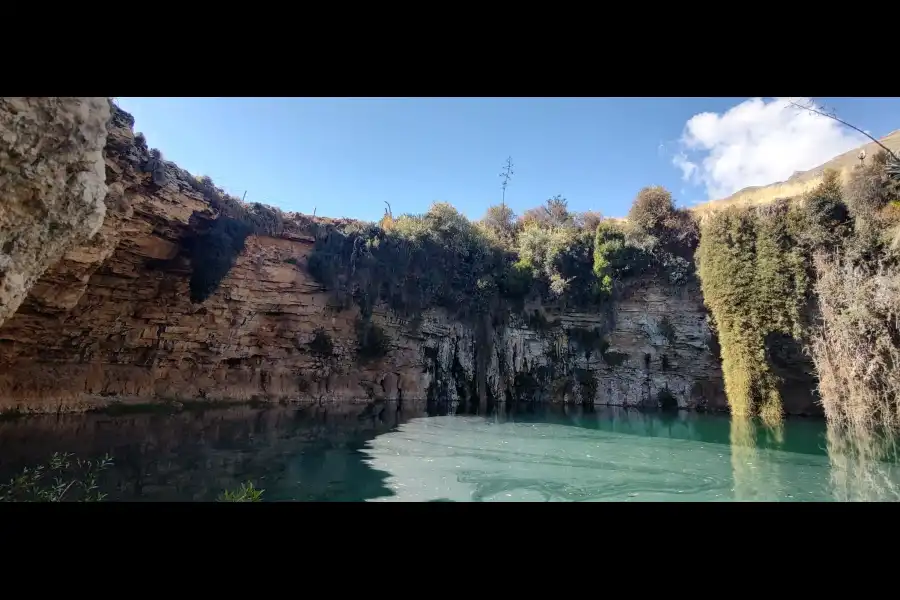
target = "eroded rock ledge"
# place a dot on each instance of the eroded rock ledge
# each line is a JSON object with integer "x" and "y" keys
{"x": 112, "y": 320}
{"x": 52, "y": 185}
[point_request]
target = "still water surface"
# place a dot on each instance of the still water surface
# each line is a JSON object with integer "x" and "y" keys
{"x": 385, "y": 453}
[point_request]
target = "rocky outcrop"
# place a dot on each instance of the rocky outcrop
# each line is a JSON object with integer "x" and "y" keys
{"x": 113, "y": 321}
{"x": 52, "y": 185}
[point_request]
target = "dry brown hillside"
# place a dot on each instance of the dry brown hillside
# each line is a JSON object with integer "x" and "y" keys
{"x": 801, "y": 181}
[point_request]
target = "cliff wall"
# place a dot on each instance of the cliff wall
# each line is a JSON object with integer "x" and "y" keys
{"x": 51, "y": 185}
{"x": 112, "y": 320}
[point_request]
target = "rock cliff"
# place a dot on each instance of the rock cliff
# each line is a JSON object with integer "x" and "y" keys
{"x": 51, "y": 184}
{"x": 113, "y": 319}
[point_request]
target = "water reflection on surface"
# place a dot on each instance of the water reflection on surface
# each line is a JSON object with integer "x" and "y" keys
{"x": 608, "y": 455}
{"x": 307, "y": 453}
{"x": 863, "y": 465}
{"x": 520, "y": 453}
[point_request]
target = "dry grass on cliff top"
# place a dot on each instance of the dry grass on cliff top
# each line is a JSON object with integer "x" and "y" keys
{"x": 800, "y": 183}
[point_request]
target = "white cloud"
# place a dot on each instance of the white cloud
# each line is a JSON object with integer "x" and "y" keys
{"x": 688, "y": 169}
{"x": 757, "y": 142}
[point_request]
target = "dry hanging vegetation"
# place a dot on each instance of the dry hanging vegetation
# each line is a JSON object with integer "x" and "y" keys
{"x": 857, "y": 346}
{"x": 823, "y": 269}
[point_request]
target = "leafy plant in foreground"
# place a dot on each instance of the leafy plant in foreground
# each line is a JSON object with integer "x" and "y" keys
{"x": 245, "y": 493}
{"x": 61, "y": 480}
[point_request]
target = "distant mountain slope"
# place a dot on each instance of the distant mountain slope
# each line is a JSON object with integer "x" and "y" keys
{"x": 803, "y": 180}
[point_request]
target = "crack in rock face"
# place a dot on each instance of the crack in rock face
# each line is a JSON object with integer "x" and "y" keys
{"x": 52, "y": 186}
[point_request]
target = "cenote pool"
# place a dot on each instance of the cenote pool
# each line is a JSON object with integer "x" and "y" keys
{"x": 389, "y": 453}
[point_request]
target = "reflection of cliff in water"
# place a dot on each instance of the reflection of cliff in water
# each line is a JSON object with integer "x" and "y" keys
{"x": 806, "y": 435}
{"x": 517, "y": 452}
{"x": 306, "y": 453}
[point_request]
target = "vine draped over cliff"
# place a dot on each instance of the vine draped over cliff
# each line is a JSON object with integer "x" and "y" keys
{"x": 755, "y": 284}
{"x": 763, "y": 270}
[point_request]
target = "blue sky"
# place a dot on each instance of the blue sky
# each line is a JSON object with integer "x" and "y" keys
{"x": 346, "y": 156}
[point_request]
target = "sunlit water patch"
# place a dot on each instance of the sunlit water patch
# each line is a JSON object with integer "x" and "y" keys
{"x": 480, "y": 459}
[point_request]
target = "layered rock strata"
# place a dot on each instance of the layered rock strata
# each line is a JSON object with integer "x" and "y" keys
{"x": 112, "y": 319}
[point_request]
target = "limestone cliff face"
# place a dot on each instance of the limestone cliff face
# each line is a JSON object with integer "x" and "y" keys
{"x": 51, "y": 185}
{"x": 655, "y": 346}
{"x": 113, "y": 320}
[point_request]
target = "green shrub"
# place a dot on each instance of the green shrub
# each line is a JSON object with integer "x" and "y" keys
{"x": 610, "y": 256}
{"x": 67, "y": 479}
{"x": 652, "y": 209}
{"x": 501, "y": 221}
{"x": 542, "y": 250}
{"x": 63, "y": 479}
{"x": 560, "y": 259}
{"x": 439, "y": 259}
{"x": 653, "y": 213}
{"x": 245, "y": 493}
{"x": 820, "y": 220}
{"x": 574, "y": 264}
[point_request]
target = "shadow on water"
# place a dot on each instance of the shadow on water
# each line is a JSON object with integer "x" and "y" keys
{"x": 295, "y": 453}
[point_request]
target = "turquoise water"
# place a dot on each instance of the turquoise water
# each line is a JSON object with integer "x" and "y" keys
{"x": 384, "y": 453}
{"x": 472, "y": 458}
